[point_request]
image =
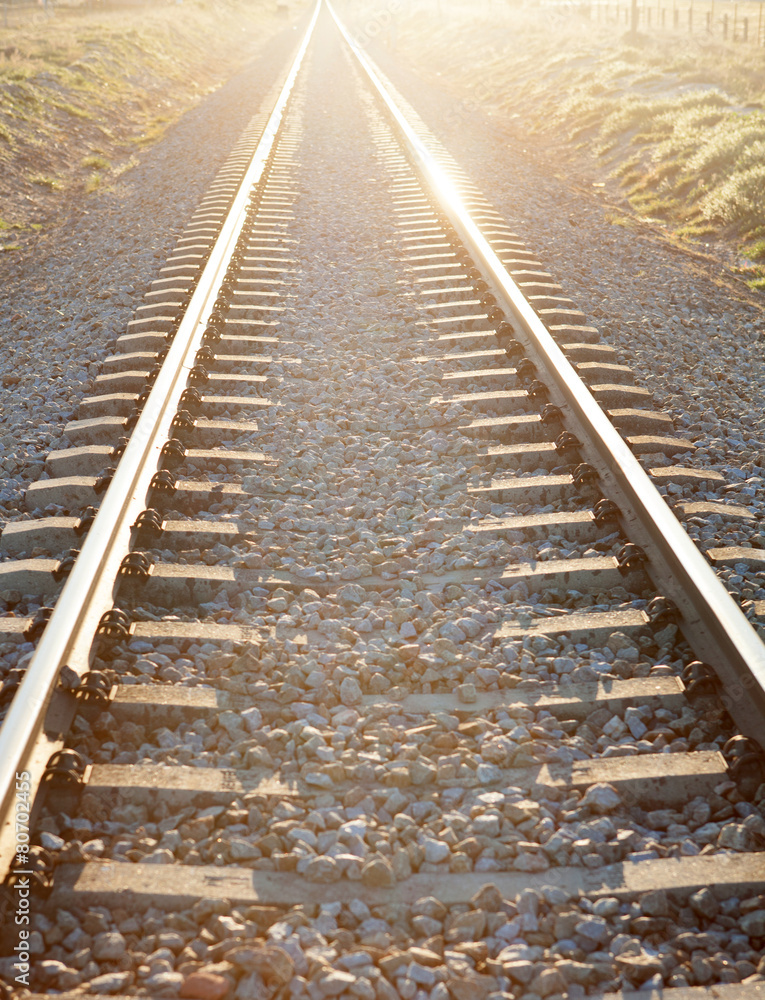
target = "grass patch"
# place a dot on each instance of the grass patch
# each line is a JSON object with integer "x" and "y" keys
{"x": 73, "y": 110}
{"x": 97, "y": 162}
{"x": 625, "y": 221}
{"x": 756, "y": 251}
{"x": 122, "y": 168}
{"x": 154, "y": 131}
{"x": 632, "y": 178}
{"x": 673, "y": 119}
{"x": 16, "y": 73}
{"x": 108, "y": 81}
{"x": 739, "y": 198}
{"x": 46, "y": 181}
{"x": 696, "y": 227}
{"x": 6, "y": 226}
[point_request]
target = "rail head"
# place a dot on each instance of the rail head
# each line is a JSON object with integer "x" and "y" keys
{"x": 720, "y": 632}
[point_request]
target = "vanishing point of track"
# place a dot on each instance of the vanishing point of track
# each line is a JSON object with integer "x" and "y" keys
{"x": 367, "y": 611}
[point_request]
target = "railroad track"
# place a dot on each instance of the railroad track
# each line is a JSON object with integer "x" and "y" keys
{"x": 383, "y": 670}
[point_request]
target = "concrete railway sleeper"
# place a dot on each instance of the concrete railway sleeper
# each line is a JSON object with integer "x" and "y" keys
{"x": 399, "y": 686}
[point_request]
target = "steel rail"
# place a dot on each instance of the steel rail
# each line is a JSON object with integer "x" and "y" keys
{"x": 92, "y": 583}
{"x": 711, "y": 620}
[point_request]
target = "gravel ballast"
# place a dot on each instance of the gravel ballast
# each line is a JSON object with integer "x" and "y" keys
{"x": 371, "y": 479}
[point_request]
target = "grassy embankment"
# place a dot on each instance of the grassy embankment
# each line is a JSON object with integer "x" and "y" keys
{"x": 673, "y": 125}
{"x": 82, "y": 93}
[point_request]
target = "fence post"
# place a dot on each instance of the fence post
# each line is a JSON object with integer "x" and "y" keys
{"x": 745, "y": 32}
{"x": 725, "y": 26}
{"x": 735, "y": 21}
{"x": 759, "y": 23}
{"x": 690, "y": 19}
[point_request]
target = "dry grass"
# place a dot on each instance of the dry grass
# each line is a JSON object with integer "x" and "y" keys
{"x": 675, "y": 124}
{"x": 80, "y": 94}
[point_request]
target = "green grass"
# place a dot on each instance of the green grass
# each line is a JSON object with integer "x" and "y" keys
{"x": 738, "y": 198}
{"x": 696, "y": 230}
{"x": 6, "y": 226}
{"x": 97, "y": 162}
{"x": 73, "y": 110}
{"x": 154, "y": 131}
{"x": 12, "y": 72}
{"x": 625, "y": 221}
{"x": 46, "y": 181}
{"x": 43, "y": 180}
{"x": 756, "y": 251}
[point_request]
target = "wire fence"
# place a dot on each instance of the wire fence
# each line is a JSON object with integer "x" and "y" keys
{"x": 721, "y": 19}
{"x": 12, "y": 14}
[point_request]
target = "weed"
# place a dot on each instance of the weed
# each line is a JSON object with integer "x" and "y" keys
{"x": 43, "y": 180}
{"x": 126, "y": 165}
{"x": 756, "y": 251}
{"x": 631, "y": 177}
{"x": 73, "y": 110}
{"x": 15, "y": 72}
{"x": 97, "y": 162}
{"x": 152, "y": 133}
{"x": 736, "y": 141}
{"x": 625, "y": 221}
{"x": 738, "y": 199}
{"x": 695, "y": 229}
{"x": 633, "y": 162}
